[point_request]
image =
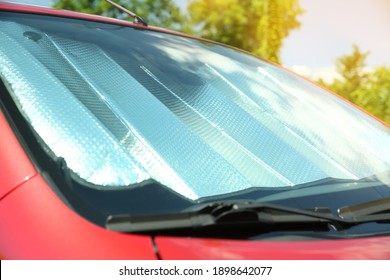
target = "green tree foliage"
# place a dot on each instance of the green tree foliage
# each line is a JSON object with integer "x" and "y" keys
{"x": 369, "y": 90}
{"x": 258, "y": 26}
{"x": 163, "y": 13}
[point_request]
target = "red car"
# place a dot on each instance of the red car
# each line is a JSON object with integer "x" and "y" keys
{"x": 125, "y": 141}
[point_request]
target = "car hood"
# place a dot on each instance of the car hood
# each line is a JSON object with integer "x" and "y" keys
{"x": 191, "y": 248}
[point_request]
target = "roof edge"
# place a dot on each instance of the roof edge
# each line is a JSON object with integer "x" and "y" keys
{"x": 35, "y": 9}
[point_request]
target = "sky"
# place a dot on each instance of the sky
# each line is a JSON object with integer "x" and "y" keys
{"x": 329, "y": 29}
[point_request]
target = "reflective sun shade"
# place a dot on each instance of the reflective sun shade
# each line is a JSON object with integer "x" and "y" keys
{"x": 122, "y": 105}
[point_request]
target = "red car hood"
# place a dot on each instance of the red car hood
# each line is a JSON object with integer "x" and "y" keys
{"x": 190, "y": 248}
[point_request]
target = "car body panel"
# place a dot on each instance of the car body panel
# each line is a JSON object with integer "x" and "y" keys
{"x": 40, "y": 226}
{"x": 14, "y": 164}
{"x": 189, "y": 248}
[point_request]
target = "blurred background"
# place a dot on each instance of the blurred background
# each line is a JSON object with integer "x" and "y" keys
{"x": 343, "y": 45}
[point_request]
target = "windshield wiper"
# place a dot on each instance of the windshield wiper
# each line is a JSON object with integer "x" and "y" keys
{"x": 222, "y": 215}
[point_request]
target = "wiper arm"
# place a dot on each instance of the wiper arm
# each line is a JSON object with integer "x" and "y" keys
{"x": 137, "y": 19}
{"x": 377, "y": 210}
{"x": 224, "y": 215}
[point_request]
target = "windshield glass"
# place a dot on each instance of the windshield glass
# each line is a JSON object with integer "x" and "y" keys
{"x": 122, "y": 105}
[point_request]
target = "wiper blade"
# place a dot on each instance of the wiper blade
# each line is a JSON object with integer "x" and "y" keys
{"x": 224, "y": 215}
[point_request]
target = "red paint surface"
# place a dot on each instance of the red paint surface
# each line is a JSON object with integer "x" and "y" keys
{"x": 191, "y": 248}
{"x": 35, "y": 224}
{"x": 15, "y": 167}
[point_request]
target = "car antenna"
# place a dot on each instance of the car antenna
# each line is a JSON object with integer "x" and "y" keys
{"x": 137, "y": 19}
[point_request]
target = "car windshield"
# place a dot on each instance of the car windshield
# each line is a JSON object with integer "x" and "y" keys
{"x": 123, "y": 105}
